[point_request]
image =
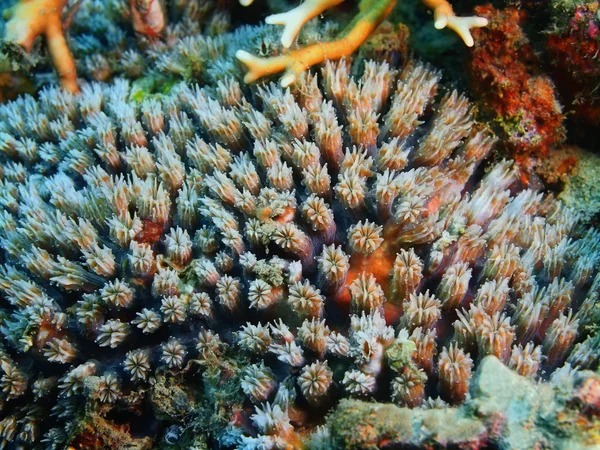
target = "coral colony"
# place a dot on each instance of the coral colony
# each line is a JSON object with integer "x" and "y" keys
{"x": 245, "y": 256}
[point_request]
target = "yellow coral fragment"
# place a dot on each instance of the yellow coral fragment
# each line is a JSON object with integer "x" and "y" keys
{"x": 29, "y": 19}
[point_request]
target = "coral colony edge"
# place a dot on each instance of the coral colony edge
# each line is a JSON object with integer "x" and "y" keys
{"x": 338, "y": 259}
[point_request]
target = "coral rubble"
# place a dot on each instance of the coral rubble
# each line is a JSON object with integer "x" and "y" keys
{"x": 230, "y": 261}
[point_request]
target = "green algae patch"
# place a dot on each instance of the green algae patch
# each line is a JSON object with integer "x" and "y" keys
{"x": 151, "y": 86}
{"x": 399, "y": 354}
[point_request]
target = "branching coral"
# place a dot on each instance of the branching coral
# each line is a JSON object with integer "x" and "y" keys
{"x": 29, "y": 19}
{"x": 371, "y": 14}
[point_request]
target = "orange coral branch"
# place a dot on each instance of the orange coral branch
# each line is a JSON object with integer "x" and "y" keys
{"x": 297, "y": 61}
{"x": 371, "y": 14}
{"x": 32, "y": 18}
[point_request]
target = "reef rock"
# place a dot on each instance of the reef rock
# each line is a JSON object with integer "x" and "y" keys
{"x": 505, "y": 411}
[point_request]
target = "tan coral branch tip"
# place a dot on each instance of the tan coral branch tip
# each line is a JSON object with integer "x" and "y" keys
{"x": 29, "y": 19}
{"x": 295, "y": 19}
{"x": 444, "y": 16}
{"x": 371, "y": 14}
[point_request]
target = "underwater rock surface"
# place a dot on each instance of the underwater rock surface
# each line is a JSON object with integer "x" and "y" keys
{"x": 505, "y": 411}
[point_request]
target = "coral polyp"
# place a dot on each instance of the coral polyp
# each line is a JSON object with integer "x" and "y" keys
{"x": 233, "y": 260}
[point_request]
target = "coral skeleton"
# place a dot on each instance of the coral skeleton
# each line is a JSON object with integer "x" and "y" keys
{"x": 245, "y": 246}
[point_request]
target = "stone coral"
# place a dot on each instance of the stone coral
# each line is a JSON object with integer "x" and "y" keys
{"x": 127, "y": 280}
